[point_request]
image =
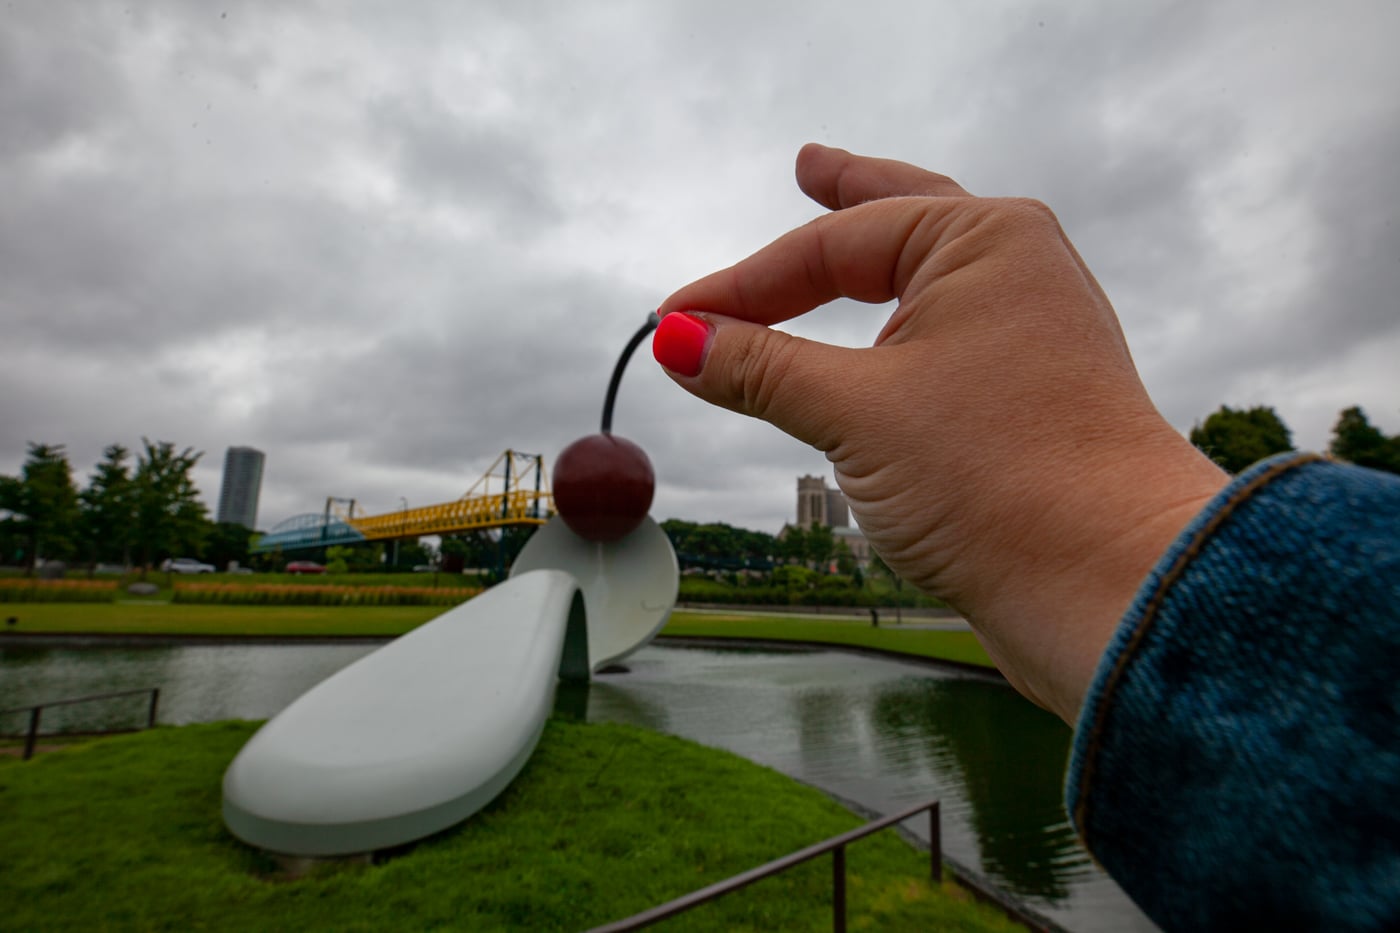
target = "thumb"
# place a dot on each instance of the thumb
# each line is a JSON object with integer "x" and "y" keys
{"x": 792, "y": 383}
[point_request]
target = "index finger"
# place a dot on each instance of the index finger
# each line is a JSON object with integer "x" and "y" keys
{"x": 838, "y": 179}
{"x": 868, "y": 252}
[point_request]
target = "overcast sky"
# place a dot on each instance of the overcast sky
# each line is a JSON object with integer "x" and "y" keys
{"x": 384, "y": 242}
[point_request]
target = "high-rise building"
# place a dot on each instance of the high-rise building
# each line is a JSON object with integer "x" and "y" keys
{"x": 238, "y": 496}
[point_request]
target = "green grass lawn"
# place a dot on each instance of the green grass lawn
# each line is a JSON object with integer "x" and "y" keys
{"x": 125, "y": 834}
{"x": 331, "y": 621}
{"x": 948, "y": 646}
{"x": 154, "y": 618}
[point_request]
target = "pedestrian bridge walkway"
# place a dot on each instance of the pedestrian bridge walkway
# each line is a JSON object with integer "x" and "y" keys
{"x": 513, "y": 491}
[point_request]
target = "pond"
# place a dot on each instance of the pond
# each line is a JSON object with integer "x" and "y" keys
{"x": 881, "y": 733}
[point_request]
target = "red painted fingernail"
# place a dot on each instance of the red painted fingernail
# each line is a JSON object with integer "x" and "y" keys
{"x": 680, "y": 343}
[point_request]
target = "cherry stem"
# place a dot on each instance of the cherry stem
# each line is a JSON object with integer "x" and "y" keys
{"x": 652, "y": 320}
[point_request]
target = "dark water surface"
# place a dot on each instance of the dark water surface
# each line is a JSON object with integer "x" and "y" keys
{"x": 882, "y": 733}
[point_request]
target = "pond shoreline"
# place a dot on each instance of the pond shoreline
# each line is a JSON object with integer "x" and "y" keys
{"x": 161, "y": 639}
{"x": 164, "y": 639}
{"x": 776, "y": 644}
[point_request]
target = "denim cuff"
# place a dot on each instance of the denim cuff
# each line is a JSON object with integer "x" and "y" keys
{"x": 1236, "y": 763}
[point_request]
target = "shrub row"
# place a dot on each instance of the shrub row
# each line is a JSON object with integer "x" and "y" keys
{"x": 57, "y": 591}
{"x": 695, "y": 590}
{"x": 275, "y": 594}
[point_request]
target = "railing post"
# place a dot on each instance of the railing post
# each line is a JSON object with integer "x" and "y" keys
{"x": 838, "y": 889}
{"x": 36, "y": 712}
{"x": 935, "y": 844}
{"x": 836, "y": 845}
{"x": 33, "y": 733}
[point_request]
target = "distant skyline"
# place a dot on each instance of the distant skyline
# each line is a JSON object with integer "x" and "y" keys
{"x": 383, "y": 247}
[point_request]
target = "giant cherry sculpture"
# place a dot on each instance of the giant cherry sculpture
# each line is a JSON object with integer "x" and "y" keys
{"x": 603, "y": 484}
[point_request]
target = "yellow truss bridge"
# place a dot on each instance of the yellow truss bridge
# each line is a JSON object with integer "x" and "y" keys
{"x": 513, "y": 491}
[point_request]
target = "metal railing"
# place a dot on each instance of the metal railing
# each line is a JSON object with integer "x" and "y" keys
{"x": 32, "y": 735}
{"x": 836, "y": 845}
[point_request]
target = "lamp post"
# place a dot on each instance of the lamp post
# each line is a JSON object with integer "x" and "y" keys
{"x": 403, "y": 529}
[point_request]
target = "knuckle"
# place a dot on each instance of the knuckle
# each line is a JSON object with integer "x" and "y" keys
{"x": 1026, "y": 215}
{"x": 759, "y": 369}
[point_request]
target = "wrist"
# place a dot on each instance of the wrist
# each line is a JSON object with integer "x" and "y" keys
{"x": 1064, "y": 577}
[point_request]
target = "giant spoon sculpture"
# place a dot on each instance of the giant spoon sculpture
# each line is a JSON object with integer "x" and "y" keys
{"x": 424, "y": 732}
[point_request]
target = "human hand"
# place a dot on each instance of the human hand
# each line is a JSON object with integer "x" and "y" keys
{"x": 995, "y": 444}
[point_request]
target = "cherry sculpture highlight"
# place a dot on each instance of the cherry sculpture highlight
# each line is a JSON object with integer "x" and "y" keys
{"x": 603, "y": 484}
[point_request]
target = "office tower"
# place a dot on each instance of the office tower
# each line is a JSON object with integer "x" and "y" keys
{"x": 238, "y": 496}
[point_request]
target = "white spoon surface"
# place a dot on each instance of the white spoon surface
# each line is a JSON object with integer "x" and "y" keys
{"x": 629, "y": 585}
{"x": 416, "y": 736}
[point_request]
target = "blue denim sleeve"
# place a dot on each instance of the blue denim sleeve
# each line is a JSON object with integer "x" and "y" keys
{"x": 1237, "y": 761}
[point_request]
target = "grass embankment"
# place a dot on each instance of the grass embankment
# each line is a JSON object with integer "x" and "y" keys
{"x": 946, "y": 646}
{"x": 334, "y": 621}
{"x": 605, "y": 821}
{"x": 156, "y": 618}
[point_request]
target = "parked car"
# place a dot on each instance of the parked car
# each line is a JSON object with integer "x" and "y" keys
{"x": 305, "y": 566}
{"x": 187, "y": 565}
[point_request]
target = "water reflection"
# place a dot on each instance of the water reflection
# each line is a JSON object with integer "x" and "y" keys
{"x": 198, "y": 683}
{"x": 1010, "y": 756}
{"x": 828, "y": 727}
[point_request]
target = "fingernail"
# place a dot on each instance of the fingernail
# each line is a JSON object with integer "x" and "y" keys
{"x": 680, "y": 343}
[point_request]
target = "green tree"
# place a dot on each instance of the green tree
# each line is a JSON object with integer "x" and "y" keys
{"x": 846, "y": 562}
{"x": 511, "y": 542}
{"x": 476, "y": 549}
{"x": 338, "y": 559}
{"x": 821, "y": 547}
{"x": 1356, "y": 440}
{"x": 794, "y": 577}
{"x": 411, "y": 553}
{"x": 226, "y": 542}
{"x": 493, "y": 550}
{"x": 878, "y": 568}
{"x": 12, "y": 536}
{"x": 454, "y": 554}
{"x": 1238, "y": 438}
{"x": 716, "y": 545}
{"x": 108, "y": 508}
{"x": 45, "y": 505}
{"x": 169, "y": 518}
{"x": 792, "y": 546}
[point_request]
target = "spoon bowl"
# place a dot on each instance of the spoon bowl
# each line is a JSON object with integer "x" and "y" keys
{"x": 629, "y": 585}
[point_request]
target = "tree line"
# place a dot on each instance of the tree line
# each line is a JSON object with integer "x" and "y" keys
{"x": 1237, "y": 438}
{"x": 138, "y": 510}
{"x": 132, "y": 512}
{"x": 723, "y": 547}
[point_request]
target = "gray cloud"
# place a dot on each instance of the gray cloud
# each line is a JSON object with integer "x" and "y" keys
{"x": 385, "y": 247}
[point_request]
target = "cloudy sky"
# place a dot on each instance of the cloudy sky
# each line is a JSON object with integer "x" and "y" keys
{"x": 382, "y": 242}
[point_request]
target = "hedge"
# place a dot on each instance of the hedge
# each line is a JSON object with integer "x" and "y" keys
{"x": 326, "y": 594}
{"x": 57, "y": 591}
{"x": 704, "y": 590}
